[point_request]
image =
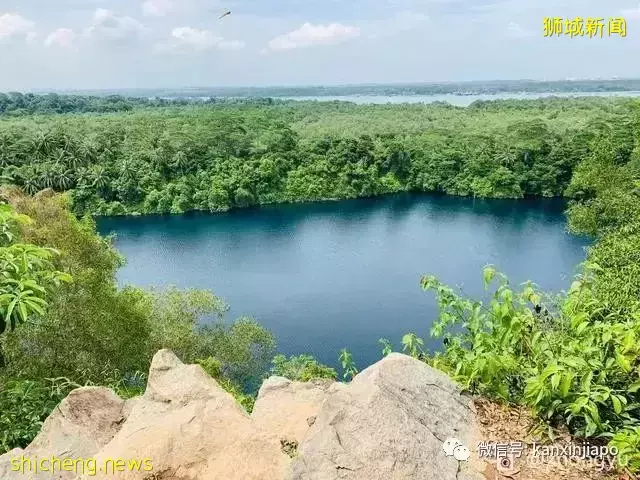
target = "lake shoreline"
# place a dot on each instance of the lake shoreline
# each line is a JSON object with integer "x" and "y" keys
{"x": 327, "y": 275}
{"x": 233, "y": 209}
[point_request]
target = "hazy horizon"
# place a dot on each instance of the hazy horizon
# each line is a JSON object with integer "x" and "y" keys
{"x": 359, "y": 84}
{"x": 108, "y": 44}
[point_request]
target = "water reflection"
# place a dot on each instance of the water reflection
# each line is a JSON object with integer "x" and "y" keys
{"x": 325, "y": 276}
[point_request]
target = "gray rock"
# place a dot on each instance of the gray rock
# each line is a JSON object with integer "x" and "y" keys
{"x": 6, "y": 465}
{"x": 79, "y": 427}
{"x": 389, "y": 423}
{"x": 188, "y": 427}
{"x": 284, "y": 407}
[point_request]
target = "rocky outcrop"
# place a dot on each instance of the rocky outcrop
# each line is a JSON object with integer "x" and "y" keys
{"x": 390, "y": 422}
{"x": 190, "y": 428}
{"x": 289, "y": 408}
{"x": 5, "y": 462}
{"x": 80, "y": 426}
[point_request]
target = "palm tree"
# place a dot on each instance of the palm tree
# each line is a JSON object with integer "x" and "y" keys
{"x": 59, "y": 156}
{"x": 84, "y": 178}
{"x": 128, "y": 170}
{"x": 31, "y": 186}
{"x": 86, "y": 151}
{"x": 5, "y": 152}
{"x": 9, "y": 174}
{"x": 180, "y": 162}
{"x": 68, "y": 144}
{"x": 99, "y": 177}
{"x": 63, "y": 179}
{"x": 42, "y": 144}
{"x": 73, "y": 161}
{"x": 47, "y": 176}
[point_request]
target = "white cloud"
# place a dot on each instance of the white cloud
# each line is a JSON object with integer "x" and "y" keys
{"x": 192, "y": 39}
{"x": 516, "y": 31}
{"x": 12, "y": 24}
{"x": 108, "y": 26}
{"x": 157, "y": 8}
{"x": 62, "y": 37}
{"x": 632, "y": 13}
{"x": 309, "y": 35}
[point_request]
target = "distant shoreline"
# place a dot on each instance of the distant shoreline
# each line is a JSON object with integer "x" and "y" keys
{"x": 453, "y": 88}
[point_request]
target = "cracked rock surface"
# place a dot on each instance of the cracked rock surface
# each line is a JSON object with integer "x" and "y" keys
{"x": 390, "y": 422}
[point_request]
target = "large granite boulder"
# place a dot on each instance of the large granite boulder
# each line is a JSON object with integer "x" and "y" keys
{"x": 390, "y": 422}
{"x": 190, "y": 428}
{"x": 79, "y": 427}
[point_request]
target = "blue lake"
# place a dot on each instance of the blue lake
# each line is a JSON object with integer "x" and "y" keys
{"x": 325, "y": 276}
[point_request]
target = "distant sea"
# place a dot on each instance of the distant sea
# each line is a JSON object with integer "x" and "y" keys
{"x": 453, "y": 99}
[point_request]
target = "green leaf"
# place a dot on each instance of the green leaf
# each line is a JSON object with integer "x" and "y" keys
{"x": 580, "y": 403}
{"x": 488, "y": 273}
{"x": 581, "y": 328}
{"x": 565, "y": 385}
{"x": 617, "y": 404}
{"x": 623, "y": 362}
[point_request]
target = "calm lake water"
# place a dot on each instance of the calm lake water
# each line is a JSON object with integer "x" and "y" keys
{"x": 330, "y": 275}
{"x": 457, "y": 100}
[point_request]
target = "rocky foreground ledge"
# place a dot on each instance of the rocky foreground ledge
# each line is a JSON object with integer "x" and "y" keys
{"x": 390, "y": 422}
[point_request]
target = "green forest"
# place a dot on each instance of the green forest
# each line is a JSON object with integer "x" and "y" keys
{"x": 232, "y": 155}
{"x": 573, "y": 357}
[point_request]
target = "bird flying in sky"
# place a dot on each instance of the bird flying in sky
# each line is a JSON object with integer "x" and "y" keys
{"x": 226, "y": 12}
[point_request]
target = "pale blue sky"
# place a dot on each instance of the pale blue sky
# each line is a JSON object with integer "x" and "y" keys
{"x": 170, "y": 43}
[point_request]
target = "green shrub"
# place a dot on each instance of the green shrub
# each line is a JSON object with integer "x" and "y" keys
{"x": 573, "y": 363}
{"x": 627, "y": 441}
{"x": 24, "y": 405}
{"x": 93, "y": 329}
{"x": 301, "y": 368}
{"x": 349, "y": 367}
{"x": 214, "y": 368}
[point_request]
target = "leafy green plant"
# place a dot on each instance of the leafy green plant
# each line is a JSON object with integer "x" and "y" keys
{"x": 348, "y": 365}
{"x": 24, "y": 405}
{"x": 28, "y": 277}
{"x": 627, "y": 441}
{"x": 10, "y": 222}
{"x": 214, "y": 368}
{"x": 301, "y": 368}
{"x": 413, "y": 345}
{"x": 28, "y": 273}
{"x": 571, "y": 364}
{"x": 387, "y": 348}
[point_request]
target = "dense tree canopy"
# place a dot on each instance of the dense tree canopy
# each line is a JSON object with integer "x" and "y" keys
{"x": 90, "y": 331}
{"x": 221, "y": 156}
